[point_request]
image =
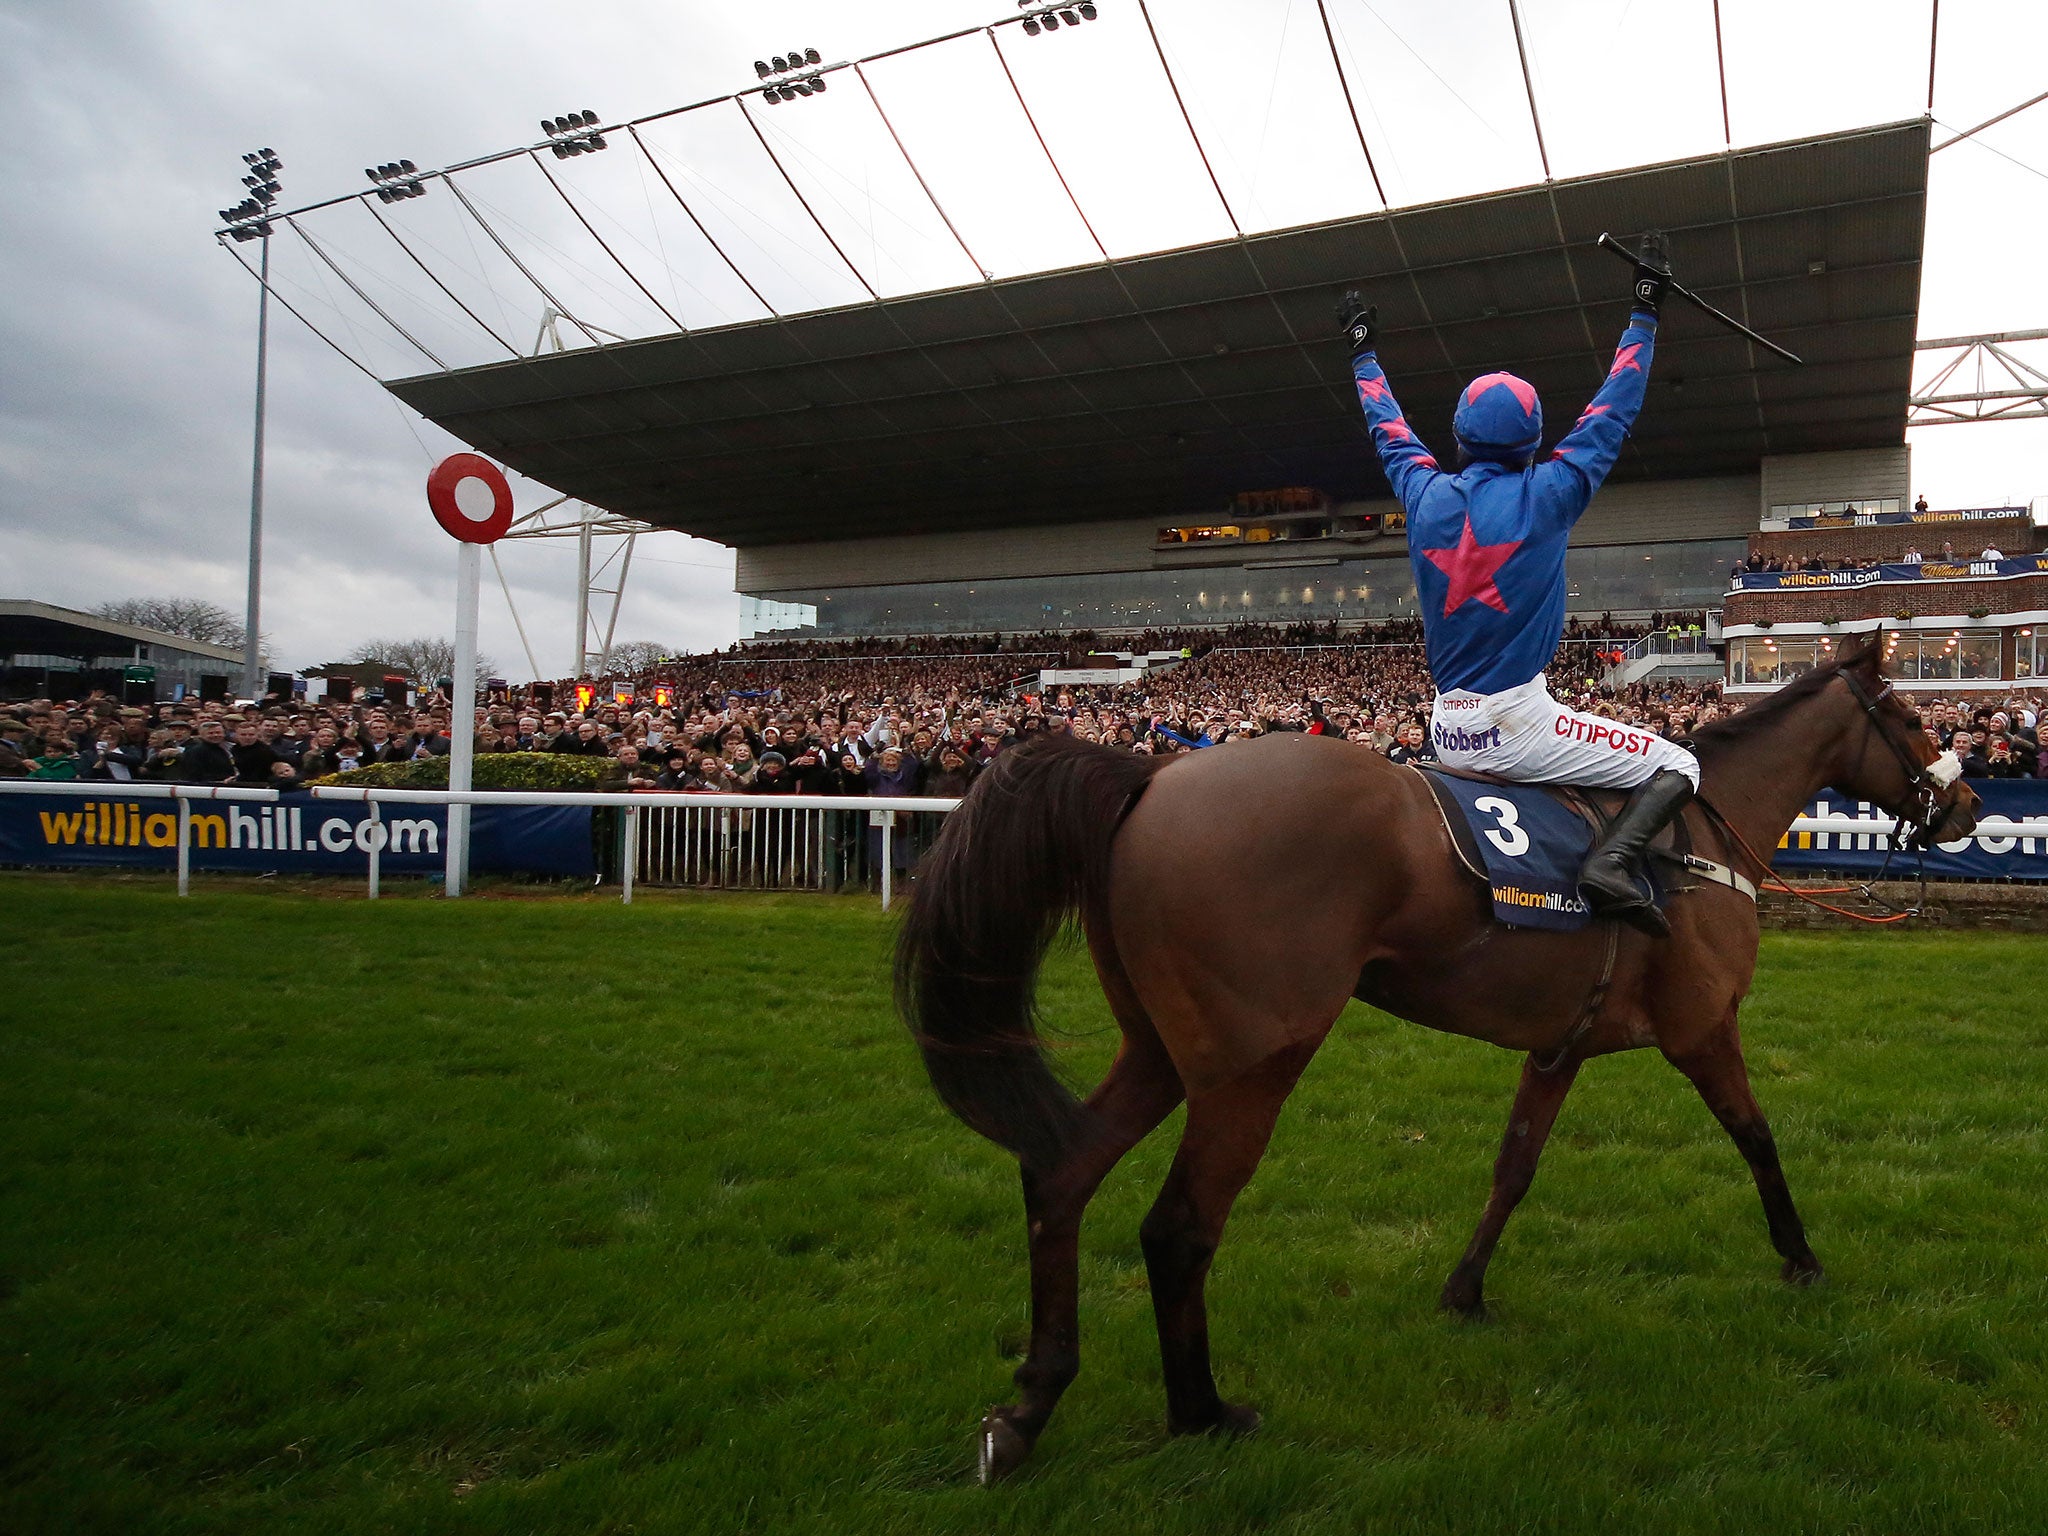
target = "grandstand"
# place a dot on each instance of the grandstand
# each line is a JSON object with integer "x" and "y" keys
{"x": 1170, "y": 440}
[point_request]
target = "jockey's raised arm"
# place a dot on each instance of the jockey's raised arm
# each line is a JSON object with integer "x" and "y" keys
{"x": 1487, "y": 546}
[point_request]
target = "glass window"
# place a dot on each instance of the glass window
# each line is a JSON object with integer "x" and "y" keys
{"x": 1618, "y": 578}
{"x": 2029, "y": 654}
{"x": 1934, "y": 656}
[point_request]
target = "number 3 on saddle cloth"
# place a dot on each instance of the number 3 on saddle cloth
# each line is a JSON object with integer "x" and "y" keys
{"x": 1528, "y": 843}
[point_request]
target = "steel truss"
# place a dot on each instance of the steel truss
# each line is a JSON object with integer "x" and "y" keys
{"x": 2007, "y": 387}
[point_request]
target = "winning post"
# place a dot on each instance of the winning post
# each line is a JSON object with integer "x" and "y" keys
{"x": 472, "y": 502}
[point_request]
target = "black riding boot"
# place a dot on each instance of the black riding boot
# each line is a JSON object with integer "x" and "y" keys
{"x": 1608, "y": 880}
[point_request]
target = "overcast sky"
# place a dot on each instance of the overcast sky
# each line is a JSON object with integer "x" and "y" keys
{"x": 127, "y": 336}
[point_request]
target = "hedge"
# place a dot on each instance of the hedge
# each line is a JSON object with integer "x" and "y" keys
{"x": 494, "y": 770}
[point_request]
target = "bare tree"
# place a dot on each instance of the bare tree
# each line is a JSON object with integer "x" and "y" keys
{"x": 189, "y": 618}
{"x": 426, "y": 659}
{"x": 633, "y": 657}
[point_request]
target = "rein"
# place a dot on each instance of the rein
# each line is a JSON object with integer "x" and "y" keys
{"x": 1917, "y": 827}
{"x": 1772, "y": 880}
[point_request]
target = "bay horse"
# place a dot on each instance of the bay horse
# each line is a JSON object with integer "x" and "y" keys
{"x": 1342, "y": 883}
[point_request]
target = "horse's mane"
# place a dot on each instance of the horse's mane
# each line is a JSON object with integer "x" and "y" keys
{"x": 1731, "y": 731}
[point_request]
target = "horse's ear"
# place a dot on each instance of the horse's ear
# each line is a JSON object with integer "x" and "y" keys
{"x": 1865, "y": 656}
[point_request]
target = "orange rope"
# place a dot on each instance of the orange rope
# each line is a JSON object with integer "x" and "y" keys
{"x": 1778, "y": 882}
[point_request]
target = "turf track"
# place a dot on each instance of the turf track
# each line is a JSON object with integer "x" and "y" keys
{"x": 548, "y": 1215}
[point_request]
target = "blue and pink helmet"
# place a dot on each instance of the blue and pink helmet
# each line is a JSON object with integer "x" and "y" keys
{"x": 1499, "y": 418}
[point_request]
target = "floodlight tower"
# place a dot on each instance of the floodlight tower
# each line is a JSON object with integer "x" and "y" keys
{"x": 250, "y": 220}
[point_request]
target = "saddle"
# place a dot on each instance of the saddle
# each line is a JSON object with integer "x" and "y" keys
{"x": 1527, "y": 843}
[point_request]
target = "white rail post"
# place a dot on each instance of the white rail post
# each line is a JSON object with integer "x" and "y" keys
{"x": 631, "y": 856}
{"x": 462, "y": 711}
{"x": 888, "y": 835}
{"x": 184, "y": 846}
{"x": 376, "y": 847}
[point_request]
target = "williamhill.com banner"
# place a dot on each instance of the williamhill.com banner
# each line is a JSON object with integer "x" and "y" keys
{"x": 314, "y": 837}
{"x": 1931, "y": 570}
{"x": 1990, "y": 854}
{"x": 1881, "y": 519}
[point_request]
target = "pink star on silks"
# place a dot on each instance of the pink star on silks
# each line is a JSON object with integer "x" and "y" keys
{"x": 1471, "y": 567}
{"x": 1372, "y": 389}
{"x": 1626, "y": 358}
{"x": 1398, "y": 430}
{"x": 1521, "y": 389}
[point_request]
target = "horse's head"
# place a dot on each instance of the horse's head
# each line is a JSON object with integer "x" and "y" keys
{"x": 1890, "y": 762}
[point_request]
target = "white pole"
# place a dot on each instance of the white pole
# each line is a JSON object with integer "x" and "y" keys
{"x": 888, "y": 832}
{"x": 631, "y": 856}
{"x": 462, "y": 710}
{"x": 185, "y": 843}
{"x": 377, "y": 845}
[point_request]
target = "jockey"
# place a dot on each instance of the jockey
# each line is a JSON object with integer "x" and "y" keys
{"x": 1487, "y": 545}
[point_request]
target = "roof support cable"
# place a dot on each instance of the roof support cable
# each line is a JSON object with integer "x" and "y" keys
{"x": 631, "y": 276}
{"x": 1174, "y": 86}
{"x": 297, "y": 314}
{"x": 560, "y": 308}
{"x": 375, "y": 308}
{"x": 1529, "y": 85}
{"x": 1933, "y": 38}
{"x": 1721, "y": 69}
{"x": 436, "y": 281}
{"x": 681, "y": 203}
{"x": 795, "y": 191}
{"x": 944, "y": 218}
{"x": 1058, "y": 174}
{"x": 1351, "y": 105}
{"x": 1967, "y": 133}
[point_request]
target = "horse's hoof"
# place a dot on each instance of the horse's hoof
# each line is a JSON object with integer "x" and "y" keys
{"x": 1233, "y": 1420}
{"x": 1804, "y": 1270}
{"x": 1462, "y": 1301}
{"x": 1003, "y": 1450}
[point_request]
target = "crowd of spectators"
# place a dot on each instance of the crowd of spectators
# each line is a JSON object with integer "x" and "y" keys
{"x": 1814, "y": 562}
{"x": 826, "y": 719}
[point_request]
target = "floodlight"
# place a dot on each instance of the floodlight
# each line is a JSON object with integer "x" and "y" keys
{"x": 811, "y": 56}
{"x": 1070, "y": 18}
{"x": 1087, "y": 10}
{"x": 1031, "y": 26}
{"x": 781, "y": 64}
{"x": 761, "y": 70}
{"x": 1050, "y": 22}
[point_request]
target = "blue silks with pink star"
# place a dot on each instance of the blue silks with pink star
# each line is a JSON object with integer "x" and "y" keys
{"x": 1487, "y": 544}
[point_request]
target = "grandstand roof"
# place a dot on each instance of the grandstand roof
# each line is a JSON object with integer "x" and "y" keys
{"x": 1163, "y": 384}
{"x": 31, "y": 627}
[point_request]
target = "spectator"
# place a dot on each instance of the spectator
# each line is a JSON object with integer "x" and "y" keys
{"x": 205, "y": 760}
{"x": 58, "y": 758}
{"x": 1910, "y": 557}
{"x": 113, "y": 759}
{"x": 1414, "y": 746}
{"x": 955, "y": 774}
{"x": 1974, "y": 764}
{"x": 1920, "y": 503}
{"x": 1992, "y": 552}
{"x": 252, "y": 757}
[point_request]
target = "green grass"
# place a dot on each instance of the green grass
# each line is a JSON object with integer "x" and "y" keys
{"x": 553, "y": 1216}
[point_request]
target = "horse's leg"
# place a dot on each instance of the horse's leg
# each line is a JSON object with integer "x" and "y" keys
{"x": 1716, "y": 1069}
{"x": 1227, "y": 1130}
{"x": 1537, "y": 1102}
{"x": 1140, "y": 1090}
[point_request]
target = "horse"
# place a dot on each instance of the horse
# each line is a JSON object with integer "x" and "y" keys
{"x": 1343, "y": 883}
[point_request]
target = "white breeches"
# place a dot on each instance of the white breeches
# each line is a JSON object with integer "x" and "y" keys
{"x": 1524, "y": 734}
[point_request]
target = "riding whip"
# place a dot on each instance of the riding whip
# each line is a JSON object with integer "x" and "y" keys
{"x": 1609, "y": 243}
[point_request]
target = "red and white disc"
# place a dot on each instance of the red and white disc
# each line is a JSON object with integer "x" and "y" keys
{"x": 470, "y": 498}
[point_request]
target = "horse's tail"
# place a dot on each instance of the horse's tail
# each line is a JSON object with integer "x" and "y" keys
{"x": 1027, "y": 850}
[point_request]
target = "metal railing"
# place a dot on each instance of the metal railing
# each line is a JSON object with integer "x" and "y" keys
{"x": 743, "y": 842}
{"x": 748, "y": 842}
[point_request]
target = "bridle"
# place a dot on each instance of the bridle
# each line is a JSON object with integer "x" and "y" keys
{"x": 1921, "y": 824}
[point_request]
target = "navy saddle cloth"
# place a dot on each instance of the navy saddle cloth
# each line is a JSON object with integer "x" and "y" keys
{"x": 1527, "y": 842}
